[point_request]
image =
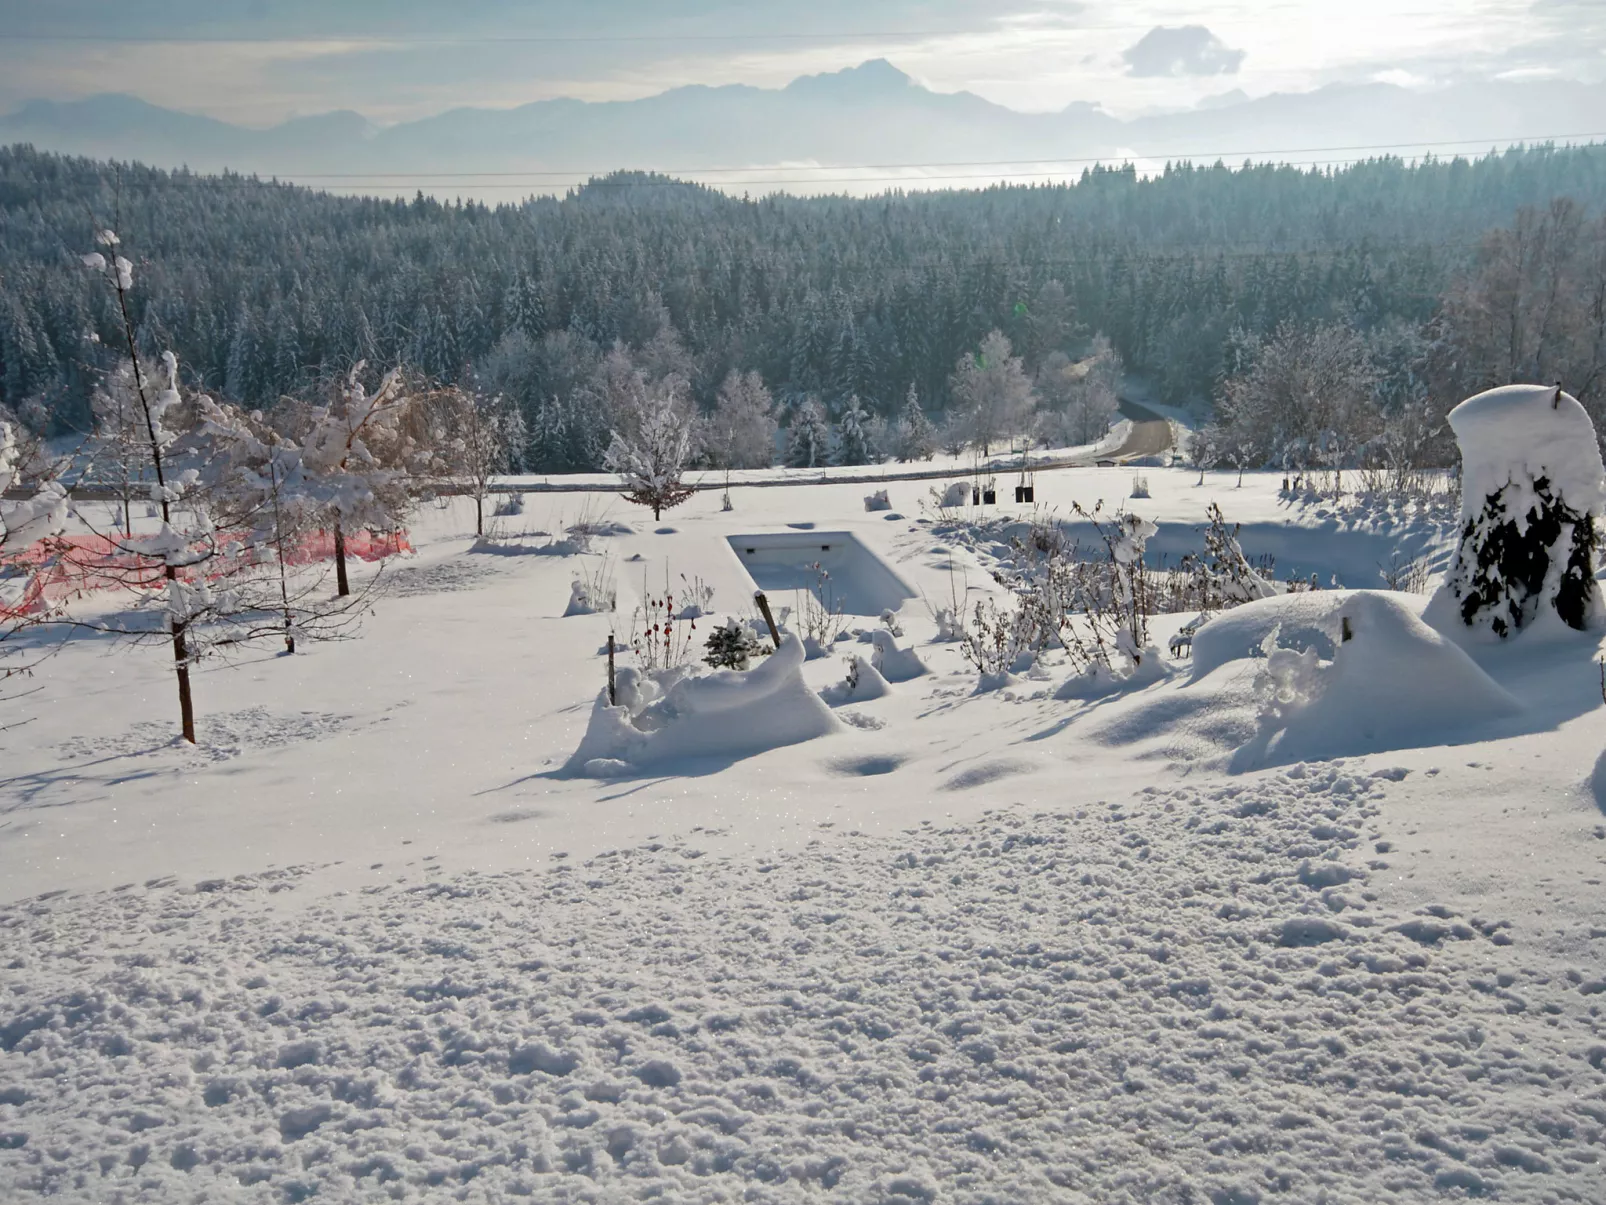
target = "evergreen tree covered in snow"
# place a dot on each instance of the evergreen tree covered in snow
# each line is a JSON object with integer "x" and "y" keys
{"x": 1532, "y": 488}
{"x": 852, "y": 440}
{"x": 917, "y": 438}
{"x": 808, "y": 439}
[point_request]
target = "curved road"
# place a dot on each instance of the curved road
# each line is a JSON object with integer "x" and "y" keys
{"x": 1150, "y": 436}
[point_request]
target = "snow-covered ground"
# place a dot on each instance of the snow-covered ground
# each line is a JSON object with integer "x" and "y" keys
{"x": 370, "y": 940}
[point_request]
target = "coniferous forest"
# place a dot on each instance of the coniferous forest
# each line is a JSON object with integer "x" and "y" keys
{"x": 1413, "y": 283}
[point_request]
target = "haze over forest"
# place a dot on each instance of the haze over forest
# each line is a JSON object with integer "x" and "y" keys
{"x": 861, "y": 129}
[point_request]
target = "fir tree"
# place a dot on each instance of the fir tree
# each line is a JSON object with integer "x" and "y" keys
{"x": 808, "y": 439}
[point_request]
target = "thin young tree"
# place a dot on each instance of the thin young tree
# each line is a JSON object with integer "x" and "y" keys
{"x": 367, "y": 450}
{"x": 264, "y": 497}
{"x": 171, "y": 549}
{"x": 653, "y": 456}
{"x": 484, "y": 435}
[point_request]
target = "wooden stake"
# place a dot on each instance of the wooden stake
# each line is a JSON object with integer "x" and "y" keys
{"x": 764, "y": 610}
{"x": 613, "y": 693}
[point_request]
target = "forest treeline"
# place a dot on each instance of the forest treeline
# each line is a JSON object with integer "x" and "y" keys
{"x": 1409, "y": 284}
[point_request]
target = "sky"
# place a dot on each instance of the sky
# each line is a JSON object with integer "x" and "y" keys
{"x": 259, "y": 62}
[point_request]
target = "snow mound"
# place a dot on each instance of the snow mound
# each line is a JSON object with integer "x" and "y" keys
{"x": 877, "y": 501}
{"x": 861, "y": 685}
{"x": 582, "y": 602}
{"x": 1307, "y": 619}
{"x": 897, "y": 664}
{"x": 678, "y": 714}
{"x": 956, "y": 494}
{"x": 1099, "y": 682}
{"x": 1395, "y": 683}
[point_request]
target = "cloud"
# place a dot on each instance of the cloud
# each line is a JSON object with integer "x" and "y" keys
{"x": 1183, "y": 50}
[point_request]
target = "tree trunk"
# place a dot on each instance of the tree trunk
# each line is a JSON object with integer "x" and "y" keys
{"x": 181, "y": 665}
{"x": 479, "y": 514}
{"x": 342, "y": 586}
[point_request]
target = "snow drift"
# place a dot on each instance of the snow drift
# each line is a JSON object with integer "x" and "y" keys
{"x": 678, "y": 714}
{"x": 1394, "y": 683}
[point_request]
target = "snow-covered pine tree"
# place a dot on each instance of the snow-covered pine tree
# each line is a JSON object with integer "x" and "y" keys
{"x": 917, "y": 438}
{"x": 652, "y": 451}
{"x": 732, "y": 646}
{"x": 852, "y": 441}
{"x": 808, "y": 438}
{"x": 1532, "y": 488}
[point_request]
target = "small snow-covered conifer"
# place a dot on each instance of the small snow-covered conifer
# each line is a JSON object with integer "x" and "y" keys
{"x": 808, "y": 439}
{"x": 1532, "y": 488}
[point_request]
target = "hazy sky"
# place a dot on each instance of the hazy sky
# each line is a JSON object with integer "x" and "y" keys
{"x": 261, "y": 61}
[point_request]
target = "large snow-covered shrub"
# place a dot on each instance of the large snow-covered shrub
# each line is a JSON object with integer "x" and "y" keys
{"x": 1532, "y": 487}
{"x": 676, "y": 714}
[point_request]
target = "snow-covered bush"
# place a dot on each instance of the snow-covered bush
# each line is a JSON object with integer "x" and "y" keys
{"x": 877, "y": 501}
{"x": 668, "y": 714}
{"x": 893, "y": 661}
{"x": 860, "y": 684}
{"x": 1532, "y": 488}
{"x": 1140, "y": 486}
{"x": 732, "y": 645}
{"x": 593, "y": 591}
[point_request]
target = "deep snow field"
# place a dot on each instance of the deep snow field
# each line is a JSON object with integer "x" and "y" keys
{"x": 370, "y": 940}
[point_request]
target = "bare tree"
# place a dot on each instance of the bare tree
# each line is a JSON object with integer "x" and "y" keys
{"x": 171, "y": 549}
{"x": 366, "y": 450}
{"x": 740, "y": 433}
{"x": 484, "y": 436}
{"x": 1306, "y": 398}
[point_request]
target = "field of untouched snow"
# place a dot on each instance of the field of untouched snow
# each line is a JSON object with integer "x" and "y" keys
{"x": 367, "y": 941}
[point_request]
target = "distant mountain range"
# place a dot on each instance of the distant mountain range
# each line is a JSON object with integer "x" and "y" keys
{"x": 870, "y": 114}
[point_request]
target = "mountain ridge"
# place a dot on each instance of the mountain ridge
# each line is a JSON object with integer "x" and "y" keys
{"x": 871, "y": 113}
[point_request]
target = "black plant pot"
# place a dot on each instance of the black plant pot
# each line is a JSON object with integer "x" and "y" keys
{"x": 989, "y": 497}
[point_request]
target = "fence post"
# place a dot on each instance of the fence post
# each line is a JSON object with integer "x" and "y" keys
{"x": 764, "y": 610}
{"x": 613, "y": 694}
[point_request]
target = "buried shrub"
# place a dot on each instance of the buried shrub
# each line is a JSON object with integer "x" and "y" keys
{"x": 733, "y": 645}
{"x": 1532, "y": 487}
